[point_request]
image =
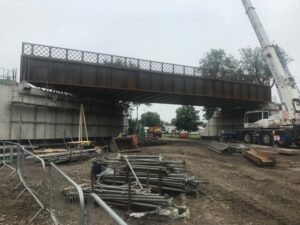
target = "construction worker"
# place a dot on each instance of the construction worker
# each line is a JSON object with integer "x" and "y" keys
{"x": 96, "y": 169}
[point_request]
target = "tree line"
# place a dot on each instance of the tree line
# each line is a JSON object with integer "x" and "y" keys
{"x": 187, "y": 118}
{"x": 250, "y": 67}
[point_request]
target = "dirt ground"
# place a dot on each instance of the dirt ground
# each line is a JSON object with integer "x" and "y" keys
{"x": 238, "y": 192}
{"x": 17, "y": 211}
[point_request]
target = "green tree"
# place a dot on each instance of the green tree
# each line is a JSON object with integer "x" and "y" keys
{"x": 133, "y": 125}
{"x": 150, "y": 119}
{"x": 136, "y": 105}
{"x": 165, "y": 123}
{"x": 209, "y": 112}
{"x": 217, "y": 64}
{"x": 173, "y": 121}
{"x": 254, "y": 66}
{"x": 187, "y": 118}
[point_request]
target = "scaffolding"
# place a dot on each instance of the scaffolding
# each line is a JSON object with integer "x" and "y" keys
{"x": 8, "y": 77}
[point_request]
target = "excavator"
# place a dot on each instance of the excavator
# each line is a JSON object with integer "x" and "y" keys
{"x": 282, "y": 125}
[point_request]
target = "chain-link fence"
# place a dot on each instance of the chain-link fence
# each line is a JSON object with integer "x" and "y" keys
{"x": 99, "y": 213}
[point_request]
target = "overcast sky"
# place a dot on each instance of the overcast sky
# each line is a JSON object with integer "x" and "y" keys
{"x": 176, "y": 31}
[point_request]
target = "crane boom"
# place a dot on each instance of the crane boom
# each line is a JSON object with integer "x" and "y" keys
{"x": 285, "y": 83}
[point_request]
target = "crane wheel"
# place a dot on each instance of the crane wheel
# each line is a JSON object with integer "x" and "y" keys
{"x": 247, "y": 138}
{"x": 266, "y": 139}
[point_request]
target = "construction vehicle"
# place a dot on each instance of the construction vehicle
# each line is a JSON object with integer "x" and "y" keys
{"x": 281, "y": 125}
{"x": 154, "y": 132}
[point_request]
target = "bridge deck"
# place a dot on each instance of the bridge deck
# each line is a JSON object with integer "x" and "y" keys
{"x": 120, "y": 78}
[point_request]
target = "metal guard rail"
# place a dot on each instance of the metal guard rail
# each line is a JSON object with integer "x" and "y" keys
{"x": 74, "y": 55}
{"x": 20, "y": 151}
{"x": 4, "y": 158}
{"x": 79, "y": 190}
{"x": 118, "y": 220}
{"x": 28, "y": 152}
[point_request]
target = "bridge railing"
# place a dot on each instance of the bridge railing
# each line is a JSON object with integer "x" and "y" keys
{"x": 52, "y": 52}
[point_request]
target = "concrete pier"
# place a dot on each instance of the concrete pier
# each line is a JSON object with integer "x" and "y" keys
{"x": 30, "y": 113}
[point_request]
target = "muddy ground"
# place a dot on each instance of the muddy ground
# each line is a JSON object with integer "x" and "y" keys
{"x": 238, "y": 192}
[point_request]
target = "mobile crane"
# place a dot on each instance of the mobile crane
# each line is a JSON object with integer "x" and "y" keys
{"x": 282, "y": 125}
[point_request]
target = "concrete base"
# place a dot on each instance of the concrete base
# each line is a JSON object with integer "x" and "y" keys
{"x": 229, "y": 120}
{"x": 224, "y": 122}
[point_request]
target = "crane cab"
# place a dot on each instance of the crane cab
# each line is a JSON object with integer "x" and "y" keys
{"x": 256, "y": 119}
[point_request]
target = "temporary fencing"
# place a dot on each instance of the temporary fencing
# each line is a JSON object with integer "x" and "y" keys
{"x": 66, "y": 210}
{"x": 32, "y": 173}
{"x": 100, "y": 213}
{"x": 47, "y": 184}
{"x": 7, "y": 154}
